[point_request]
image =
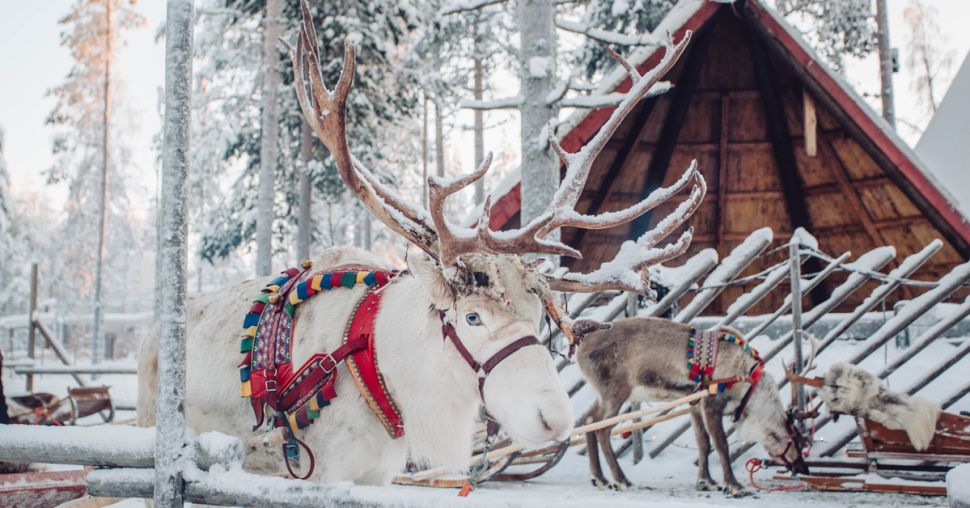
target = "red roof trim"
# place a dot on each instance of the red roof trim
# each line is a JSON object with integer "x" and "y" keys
{"x": 889, "y": 147}
{"x": 507, "y": 205}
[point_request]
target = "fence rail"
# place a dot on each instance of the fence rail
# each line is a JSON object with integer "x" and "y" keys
{"x": 705, "y": 278}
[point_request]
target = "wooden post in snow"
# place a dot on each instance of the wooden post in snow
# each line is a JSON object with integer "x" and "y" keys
{"x": 31, "y": 330}
{"x": 795, "y": 264}
{"x": 170, "y": 432}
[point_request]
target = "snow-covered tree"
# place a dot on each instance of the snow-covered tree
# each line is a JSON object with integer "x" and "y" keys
{"x": 9, "y": 246}
{"x": 835, "y": 28}
{"x": 90, "y": 154}
{"x": 928, "y": 58}
{"x": 384, "y": 95}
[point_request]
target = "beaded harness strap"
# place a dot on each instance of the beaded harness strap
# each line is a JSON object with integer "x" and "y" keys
{"x": 296, "y": 396}
{"x": 702, "y": 346}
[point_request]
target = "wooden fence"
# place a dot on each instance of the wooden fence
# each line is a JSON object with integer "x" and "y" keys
{"x": 703, "y": 277}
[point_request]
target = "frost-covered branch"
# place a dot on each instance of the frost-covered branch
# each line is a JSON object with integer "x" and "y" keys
{"x": 610, "y": 99}
{"x": 503, "y": 103}
{"x": 608, "y": 37}
{"x": 466, "y": 6}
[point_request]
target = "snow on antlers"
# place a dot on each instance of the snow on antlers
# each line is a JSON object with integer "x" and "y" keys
{"x": 430, "y": 229}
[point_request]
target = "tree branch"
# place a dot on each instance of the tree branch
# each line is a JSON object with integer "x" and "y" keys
{"x": 503, "y": 103}
{"x": 466, "y": 6}
{"x": 610, "y": 99}
{"x": 608, "y": 37}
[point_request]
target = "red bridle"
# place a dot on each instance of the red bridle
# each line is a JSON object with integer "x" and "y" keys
{"x": 482, "y": 369}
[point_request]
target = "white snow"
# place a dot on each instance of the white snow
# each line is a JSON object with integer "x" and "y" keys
{"x": 943, "y": 146}
{"x": 538, "y": 67}
{"x": 958, "y": 486}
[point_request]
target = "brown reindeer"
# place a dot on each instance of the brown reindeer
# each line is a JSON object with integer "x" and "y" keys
{"x": 645, "y": 359}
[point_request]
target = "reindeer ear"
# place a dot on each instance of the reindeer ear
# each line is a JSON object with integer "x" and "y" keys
{"x": 433, "y": 279}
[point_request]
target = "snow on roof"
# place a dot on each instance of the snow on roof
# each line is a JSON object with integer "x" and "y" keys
{"x": 943, "y": 146}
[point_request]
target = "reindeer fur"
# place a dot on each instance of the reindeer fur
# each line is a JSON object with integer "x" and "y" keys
{"x": 645, "y": 359}
{"x": 853, "y": 391}
{"x": 435, "y": 390}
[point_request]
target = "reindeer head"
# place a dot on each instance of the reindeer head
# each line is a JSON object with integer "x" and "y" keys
{"x": 476, "y": 277}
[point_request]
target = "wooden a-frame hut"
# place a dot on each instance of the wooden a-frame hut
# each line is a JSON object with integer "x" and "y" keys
{"x": 781, "y": 140}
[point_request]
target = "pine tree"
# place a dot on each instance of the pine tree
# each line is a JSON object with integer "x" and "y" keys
{"x": 383, "y": 97}
{"x": 835, "y": 28}
{"x": 89, "y": 153}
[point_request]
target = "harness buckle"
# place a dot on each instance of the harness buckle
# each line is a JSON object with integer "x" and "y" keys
{"x": 328, "y": 369}
{"x": 270, "y": 385}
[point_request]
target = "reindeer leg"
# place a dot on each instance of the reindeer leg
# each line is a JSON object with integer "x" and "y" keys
{"x": 592, "y": 450}
{"x": 704, "y": 480}
{"x": 713, "y": 418}
{"x": 620, "y": 481}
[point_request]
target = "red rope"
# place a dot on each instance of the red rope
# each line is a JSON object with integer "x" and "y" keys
{"x": 41, "y": 412}
{"x": 753, "y": 465}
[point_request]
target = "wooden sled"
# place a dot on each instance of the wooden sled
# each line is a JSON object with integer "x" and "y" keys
{"x": 41, "y": 489}
{"x": 48, "y": 409}
{"x": 887, "y": 460}
{"x": 508, "y": 462}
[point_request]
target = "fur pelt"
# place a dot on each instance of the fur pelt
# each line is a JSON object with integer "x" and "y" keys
{"x": 851, "y": 390}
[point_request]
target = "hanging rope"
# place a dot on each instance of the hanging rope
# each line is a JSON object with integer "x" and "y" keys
{"x": 754, "y": 465}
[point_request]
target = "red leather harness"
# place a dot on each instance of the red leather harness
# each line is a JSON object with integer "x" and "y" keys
{"x": 297, "y": 396}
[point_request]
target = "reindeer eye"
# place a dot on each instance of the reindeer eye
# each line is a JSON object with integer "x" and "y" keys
{"x": 473, "y": 319}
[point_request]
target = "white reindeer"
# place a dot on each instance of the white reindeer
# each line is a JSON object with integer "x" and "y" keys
{"x": 475, "y": 277}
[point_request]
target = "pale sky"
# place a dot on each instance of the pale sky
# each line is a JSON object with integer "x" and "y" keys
{"x": 33, "y": 62}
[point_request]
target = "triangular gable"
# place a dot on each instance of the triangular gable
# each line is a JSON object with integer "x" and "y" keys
{"x": 890, "y": 152}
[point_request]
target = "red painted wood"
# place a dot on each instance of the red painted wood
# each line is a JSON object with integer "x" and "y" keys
{"x": 41, "y": 489}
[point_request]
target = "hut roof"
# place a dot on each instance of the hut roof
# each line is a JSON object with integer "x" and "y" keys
{"x": 781, "y": 139}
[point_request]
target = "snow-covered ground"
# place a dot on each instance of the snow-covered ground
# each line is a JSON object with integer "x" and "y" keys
{"x": 668, "y": 479}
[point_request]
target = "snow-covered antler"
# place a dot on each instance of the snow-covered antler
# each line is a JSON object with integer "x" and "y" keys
{"x": 325, "y": 112}
{"x": 626, "y": 271}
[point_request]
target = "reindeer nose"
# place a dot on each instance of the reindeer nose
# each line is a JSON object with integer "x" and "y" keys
{"x": 555, "y": 426}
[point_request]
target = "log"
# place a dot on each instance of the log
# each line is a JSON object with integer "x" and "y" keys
{"x": 106, "y": 445}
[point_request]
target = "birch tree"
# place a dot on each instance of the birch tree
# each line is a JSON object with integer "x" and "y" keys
{"x": 272, "y": 29}
{"x": 928, "y": 58}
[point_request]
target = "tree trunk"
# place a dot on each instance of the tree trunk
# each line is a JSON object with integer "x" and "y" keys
{"x": 424, "y": 154}
{"x": 537, "y": 59}
{"x": 304, "y": 224}
{"x": 479, "y": 114}
{"x": 439, "y": 139}
{"x": 885, "y": 63}
{"x": 97, "y": 347}
{"x": 268, "y": 139}
{"x": 170, "y": 433}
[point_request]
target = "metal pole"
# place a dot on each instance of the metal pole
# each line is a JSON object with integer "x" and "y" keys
{"x": 794, "y": 255}
{"x": 170, "y": 435}
{"x": 885, "y": 63}
{"x": 31, "y": 329}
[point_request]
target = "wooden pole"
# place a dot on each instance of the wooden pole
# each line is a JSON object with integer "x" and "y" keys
{"x": 31, "y": 331}
{"x": 170, "y": 436}
{"x": 795, "y": 265}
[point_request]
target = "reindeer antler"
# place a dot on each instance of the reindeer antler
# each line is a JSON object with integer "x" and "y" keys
{"x": 325, "y": 111}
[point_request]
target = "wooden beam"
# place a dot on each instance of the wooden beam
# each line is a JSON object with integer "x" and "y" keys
{"x": 722, "y": 168}
{"x": 809, "y": 124}
{"x": 670, "y": 130}
{"x": 619, "y": 163}
{"x": 780, "y": 138}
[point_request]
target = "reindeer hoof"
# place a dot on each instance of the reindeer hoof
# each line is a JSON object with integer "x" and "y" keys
{"x": 599, "y": 483}
{"x": 621, "y": 486}
{"x": 738, "y": 491}
{"x": 706, "y": 485}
